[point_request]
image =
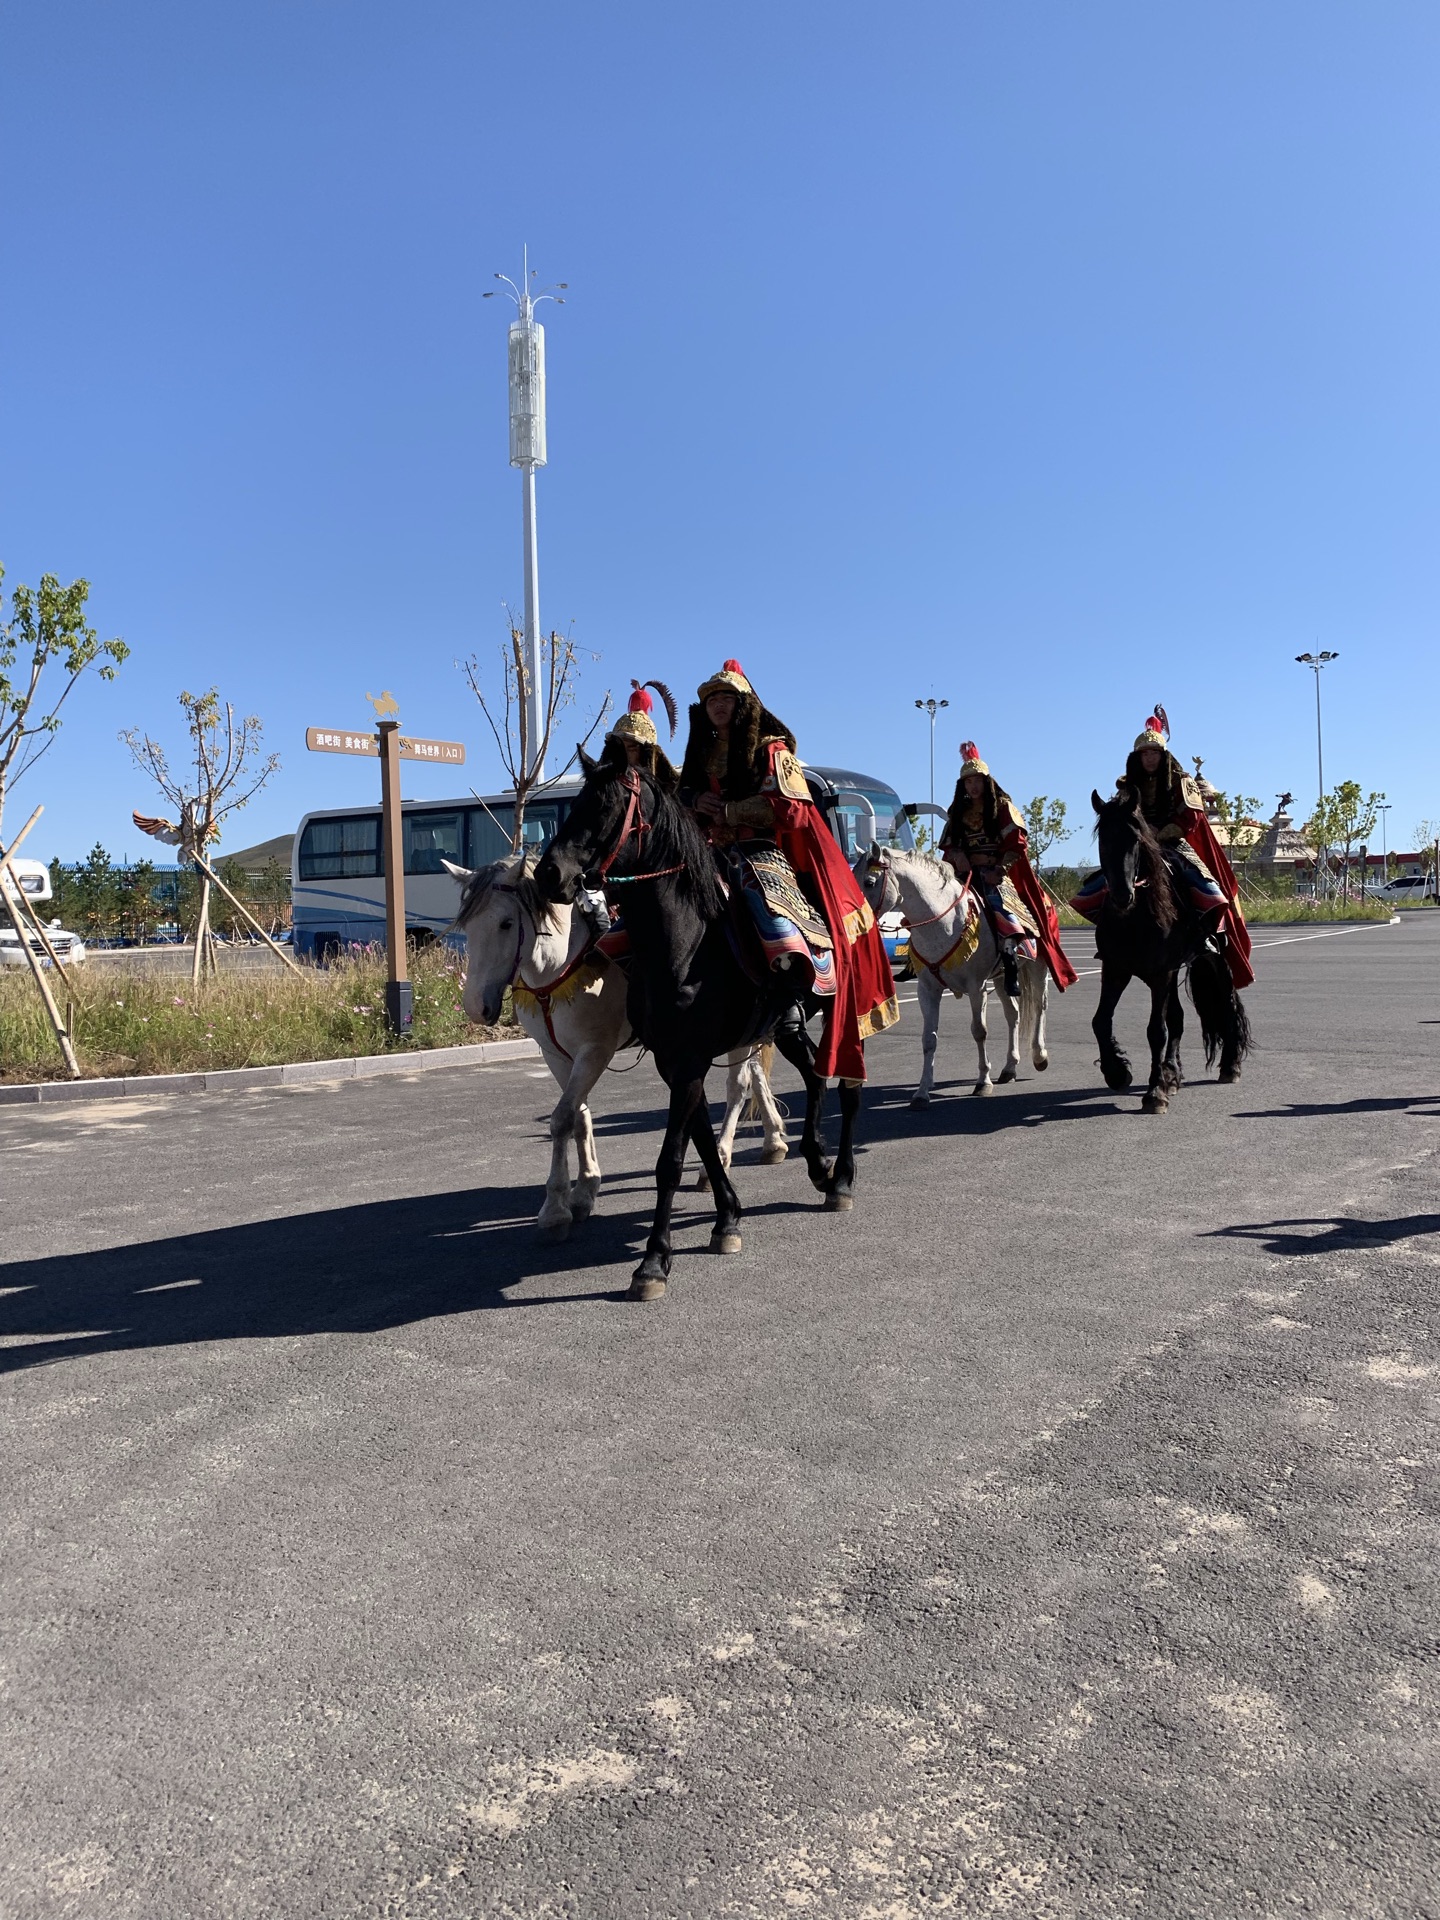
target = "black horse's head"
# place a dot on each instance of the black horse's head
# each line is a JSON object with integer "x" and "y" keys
{"x": 623, "y": 825}
{"x": 1130, "y": 855}
{"x": 592, "y": 829}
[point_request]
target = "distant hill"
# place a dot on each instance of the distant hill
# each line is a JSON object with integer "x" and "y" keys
{"x": 256, "y": 859}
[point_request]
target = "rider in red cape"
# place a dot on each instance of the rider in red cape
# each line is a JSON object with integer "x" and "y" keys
{"x": 743, "y": 781}
{"x": 984, "y": 835}
{"x": 1172, "y": 804}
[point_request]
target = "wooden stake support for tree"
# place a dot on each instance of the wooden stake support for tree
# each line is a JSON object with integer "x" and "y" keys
{"x": 64, "y": 1039}
{"x": 209, "y": 878}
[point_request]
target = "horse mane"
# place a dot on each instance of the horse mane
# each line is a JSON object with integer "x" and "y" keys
{"x": 674, "y": 840}
{"x": 1155, "y": 868}
{"x": 519, "y": 880}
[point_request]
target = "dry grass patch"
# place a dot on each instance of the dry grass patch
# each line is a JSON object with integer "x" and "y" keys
{"x": 135, "y": 1023}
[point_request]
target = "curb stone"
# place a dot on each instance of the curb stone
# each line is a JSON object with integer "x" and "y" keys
{"x": 297, "y": 1073}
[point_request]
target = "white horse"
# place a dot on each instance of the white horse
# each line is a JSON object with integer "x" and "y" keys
{"x": 952, "y": 945}
{"x": 570, "y": 999}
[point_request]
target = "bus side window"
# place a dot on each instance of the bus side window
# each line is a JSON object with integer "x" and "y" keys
{"x": 488, "y": 835}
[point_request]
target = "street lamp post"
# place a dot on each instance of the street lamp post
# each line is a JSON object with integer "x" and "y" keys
{"x": 1317, "y": 662}
{"x": 932, "y": 706}
{"x": 527, "y": 451}
{"x": 1383, "y": 809}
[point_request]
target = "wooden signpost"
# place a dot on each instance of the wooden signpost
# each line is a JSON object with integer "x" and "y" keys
{"x": 392, "y": 747}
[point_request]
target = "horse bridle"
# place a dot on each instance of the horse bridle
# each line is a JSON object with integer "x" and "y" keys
{"x": 634, "y": 826}
{"x": 877, "y": 864}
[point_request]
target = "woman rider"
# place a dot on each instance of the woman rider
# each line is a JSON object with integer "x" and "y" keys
{"x": 984, "y": 836}
{"x": 1171, "y": 802}
{"x": 744, "y": 784}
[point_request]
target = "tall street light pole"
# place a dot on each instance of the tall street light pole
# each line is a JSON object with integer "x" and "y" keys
{"x": 527, "y": 451}
{"x": 1384, "y": 809}
{"x": 932, "y": 707}
{"x": 1317, "y": 662}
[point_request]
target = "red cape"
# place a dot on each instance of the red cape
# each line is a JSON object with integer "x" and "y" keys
{"x": 864, "y": 1001}
{"x": 1199, "y": 835}
{"x": 1027, "y": 885}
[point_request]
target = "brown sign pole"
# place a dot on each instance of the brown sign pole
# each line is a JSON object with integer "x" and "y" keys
{"x": 399, "y": 998}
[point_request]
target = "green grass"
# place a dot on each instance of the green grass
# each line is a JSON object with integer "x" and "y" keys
{"x": 128, "y": 1022}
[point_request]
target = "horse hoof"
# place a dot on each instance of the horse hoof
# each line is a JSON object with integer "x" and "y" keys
{"x": 556, "y": 1230}
{"x": 920, "y": 1100}
{"x": 1154, "y": 1103}
{"x": 724, "y": 1242}
{"x": 1006, "y": 1077}
{"x": 772, "y": 1156}
{"x": 702, "y": 1185}
{"x": 1229, "y": 1079}
{"x": 1040, "y": 1061}
{"x": 985, "y": 1086}
{"x": 1117, "y": 1079}
{"x": 646, "y": 1290}
{"x": 838, "y": 1203}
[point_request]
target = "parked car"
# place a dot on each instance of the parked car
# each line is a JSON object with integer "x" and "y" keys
{"x": 69, "y": 947}
{"x": 1410, "y": 886}
{"x": 896, "y": 936}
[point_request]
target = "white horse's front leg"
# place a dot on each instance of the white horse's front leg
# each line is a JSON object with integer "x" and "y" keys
{"x": 555, "y": 1213}
{"x": 930, "y": 993}
{"x": 571, "y": 1120}
{"x": 977, "y": 1027}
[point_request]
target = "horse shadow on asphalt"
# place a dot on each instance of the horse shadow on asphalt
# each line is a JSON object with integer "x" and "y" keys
{"x": 356, "y": 1269}
{"x": 386, "y": 1263}
{"x": 1332, "y": 1234}
{"x": 1425, "y": 1105}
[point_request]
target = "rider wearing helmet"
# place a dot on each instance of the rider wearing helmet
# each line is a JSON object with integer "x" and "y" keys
{"x": 984, "y": 837}
{"x": 742, "y": 780}
{"x": 1174, "y": 809}
{"x": 633, "y": 740}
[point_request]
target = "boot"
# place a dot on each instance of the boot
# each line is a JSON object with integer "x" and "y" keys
{"x": 1011, "y": 968}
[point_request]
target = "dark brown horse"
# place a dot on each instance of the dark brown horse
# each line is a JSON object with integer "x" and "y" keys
{"x": 1147, "y": 931}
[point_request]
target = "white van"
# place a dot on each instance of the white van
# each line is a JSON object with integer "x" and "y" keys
{"x": 34, "y": 878}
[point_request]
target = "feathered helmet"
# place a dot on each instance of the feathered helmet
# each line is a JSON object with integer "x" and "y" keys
{"x": 730, "y": 679}
{"x": 636, "y": 724}
{"x": 970, "y": 761}
{"x": 1156, "y": 733}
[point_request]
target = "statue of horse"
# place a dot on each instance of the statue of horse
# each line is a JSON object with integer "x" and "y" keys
{"x": 570, "y": 999}
{"x": 689, "y": 998}
{"x": 1146, "y": 930}
{"x": 953, "y": 946}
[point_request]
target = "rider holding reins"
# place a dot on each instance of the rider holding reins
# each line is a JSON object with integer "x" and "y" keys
{"x": 741, "y": 779}
{"x": 1174, "y": 809}
{"x": 984, "y": 839}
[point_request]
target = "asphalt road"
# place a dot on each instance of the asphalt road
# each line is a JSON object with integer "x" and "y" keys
{"x": 1054, "y": 1535}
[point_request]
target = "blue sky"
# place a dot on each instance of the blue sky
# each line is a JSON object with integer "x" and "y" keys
{"x": 1052, "y": 359}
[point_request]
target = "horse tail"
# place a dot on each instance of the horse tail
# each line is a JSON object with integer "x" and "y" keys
{"x": 1223, "y": 1019}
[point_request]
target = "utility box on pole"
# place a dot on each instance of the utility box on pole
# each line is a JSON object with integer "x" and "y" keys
{"x": 527, "y": 394}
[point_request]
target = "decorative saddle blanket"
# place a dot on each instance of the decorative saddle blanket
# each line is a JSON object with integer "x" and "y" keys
{"x": 781, "y": 923}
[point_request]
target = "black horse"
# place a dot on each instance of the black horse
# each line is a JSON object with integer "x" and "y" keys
{"x": 690, "y": 1000}
{"x": 1146, "y": 929}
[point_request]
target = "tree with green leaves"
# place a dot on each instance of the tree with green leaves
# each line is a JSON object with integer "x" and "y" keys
{"x": 1044, "y": 826}
{"x": 46, "y": 648}
{"x": 1343, "y": 819}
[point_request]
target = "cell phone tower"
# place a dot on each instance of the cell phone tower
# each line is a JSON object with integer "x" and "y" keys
{"x": 527, "y": 451}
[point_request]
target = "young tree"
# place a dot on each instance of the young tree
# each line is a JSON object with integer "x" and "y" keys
{"x": 46, "y": 630}
{"x": 229, "y": 767}
{"x": 1343, "y": 818}
{"x": 97, "y": 892}
{"x": 507, "y": 713}
{"x": 1044, "y": 825}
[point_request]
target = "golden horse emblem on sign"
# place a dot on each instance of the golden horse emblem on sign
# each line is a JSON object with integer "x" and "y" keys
{"x": 387, "y": 707}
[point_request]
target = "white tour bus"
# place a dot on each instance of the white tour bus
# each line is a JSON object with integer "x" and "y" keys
{"x": 338, "y": 886}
